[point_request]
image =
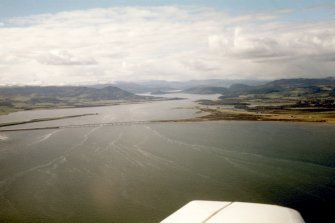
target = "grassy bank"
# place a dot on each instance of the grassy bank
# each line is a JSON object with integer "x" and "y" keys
{"x": 294, "y": 115}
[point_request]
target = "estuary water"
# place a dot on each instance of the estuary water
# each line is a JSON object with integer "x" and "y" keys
{"x": 143, "y": 173}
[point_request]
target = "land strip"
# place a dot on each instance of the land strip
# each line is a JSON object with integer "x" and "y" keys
{"x": 213, "y": 115}
{"x": 289, "y": 115}
{"x": 44, "y": 119}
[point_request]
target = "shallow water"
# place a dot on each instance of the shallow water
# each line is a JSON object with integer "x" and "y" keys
{"x": 142, "y": 173}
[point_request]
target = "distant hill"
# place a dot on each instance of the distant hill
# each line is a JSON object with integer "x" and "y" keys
{"x": 288, "y": 87}
{"x": 106, "y": 93}
{"x": 166, "y": 86}
{"x": 206, "y": 90}
{"x": 298, "y": 87}
{"x": 284, "y": 87}
{"x": 132, "y": 87}
{"x": 300, "y": 93}
{"x": 159, "y": 92}
{"x": 240, "y": 87}
{"x": 294, "y": 89}
{"x": 26, "y": 98}
{"x": 301, "y": 82}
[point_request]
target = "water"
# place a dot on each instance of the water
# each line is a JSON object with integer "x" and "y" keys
{"x": 143, "y": 173}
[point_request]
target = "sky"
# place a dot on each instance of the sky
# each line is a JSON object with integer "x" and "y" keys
{"x": 60, "y": 42}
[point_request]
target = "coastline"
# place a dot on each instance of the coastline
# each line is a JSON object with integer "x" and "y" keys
{"x": 218, "y": 114}
{"x": 214, "y": 115}
{"x": 44, "y": 119}
{"x": 204, "y": 113}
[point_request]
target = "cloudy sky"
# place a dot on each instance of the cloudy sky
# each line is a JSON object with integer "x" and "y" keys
{"x": 56, "y": 42}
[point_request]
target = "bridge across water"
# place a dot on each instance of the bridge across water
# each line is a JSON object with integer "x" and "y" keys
{"x": 128, "y": 123}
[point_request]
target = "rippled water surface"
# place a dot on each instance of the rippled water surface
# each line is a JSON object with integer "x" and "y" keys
{"x": 142, "y": 173}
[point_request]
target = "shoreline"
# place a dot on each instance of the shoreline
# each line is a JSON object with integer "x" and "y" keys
{"x": 8, "y": 110}
{"x": 44, "y": 119}
{"x": 280, "y": 115}
{"x": 214, "y": 115}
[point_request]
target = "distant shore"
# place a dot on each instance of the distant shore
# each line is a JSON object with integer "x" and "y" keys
{"x": 216, "y": 114}
{"x": 7, "y": 110}
{"x": 213, "y": 114}
{"x": 43, "y": 119}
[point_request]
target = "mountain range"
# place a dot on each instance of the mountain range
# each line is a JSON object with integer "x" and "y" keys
{"x": 161, "y": 85}
{"x": 284, "y": 87}
{"x": 106, "y": 93}
{"x": 33, "y": 97}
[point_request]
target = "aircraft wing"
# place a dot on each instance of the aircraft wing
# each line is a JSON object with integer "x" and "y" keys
{"x": 233, "y": 212}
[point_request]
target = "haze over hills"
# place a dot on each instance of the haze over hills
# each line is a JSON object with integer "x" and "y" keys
{"x": 220, "y": 86}
{"x": 33, "y": 97}
{"x": 161, "y": 85}
{"x": 290, "y": 90}
{"x": 206, "y": 90}
{"x": 106, "y": 93}
{"x": 285, "y": 87}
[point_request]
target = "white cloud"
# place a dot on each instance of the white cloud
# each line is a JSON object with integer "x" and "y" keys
{"x": 64, "y": 57}
{"x": 172, "y": 43}
{"x": 318, "y": 41}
